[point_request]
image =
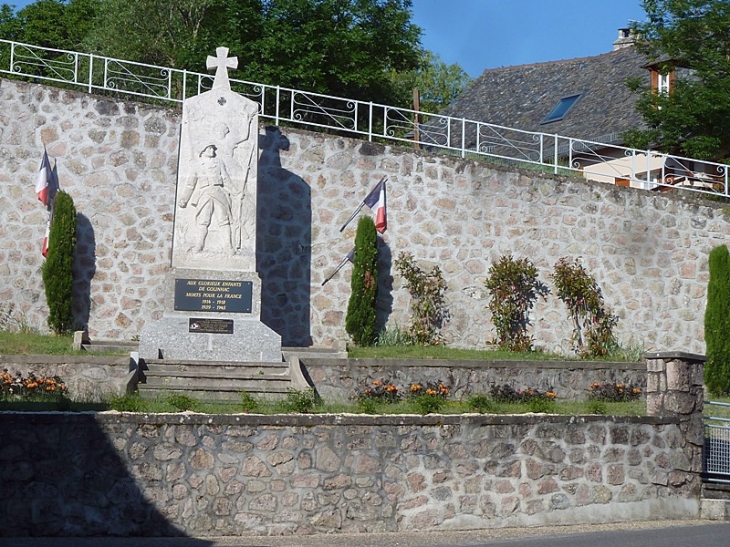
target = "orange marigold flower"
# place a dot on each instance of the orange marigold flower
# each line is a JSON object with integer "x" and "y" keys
{"x": 415, "y": 387}
{"x": 390, "y": 388}
{"x": 430, "y": 391}
{"x": 377, "y": 383}
{"x": 550, "y": 394}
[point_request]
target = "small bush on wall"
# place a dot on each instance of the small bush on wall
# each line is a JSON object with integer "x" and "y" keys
{"x": 593, "y": 325}
{"x": 361, "y": 309}
{"x": 514, "y": 288}
{"x": 58, "y": 268}
{"x": 428, "y": 303}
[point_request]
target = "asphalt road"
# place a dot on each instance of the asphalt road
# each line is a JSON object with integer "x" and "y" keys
{"x": 636, "y": 534}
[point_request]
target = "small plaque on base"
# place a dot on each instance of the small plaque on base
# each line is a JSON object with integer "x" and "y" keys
{"x": 210, "y": 326}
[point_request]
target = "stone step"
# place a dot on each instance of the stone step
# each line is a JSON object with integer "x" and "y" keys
{"x": 231, "y": 396}
{"x": 314, "y": 353}
{"x": 220, "y": 383}
{"x": 213, "y": 380}
{"x": 110, "y": 346}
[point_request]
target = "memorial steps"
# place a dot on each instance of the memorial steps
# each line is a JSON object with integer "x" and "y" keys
{"x": 214, "y": 381}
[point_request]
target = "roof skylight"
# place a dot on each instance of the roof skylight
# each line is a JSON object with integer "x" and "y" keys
{"x": 562, "y": 108}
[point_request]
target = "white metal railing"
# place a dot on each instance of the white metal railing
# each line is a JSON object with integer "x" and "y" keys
{"x": 467, "y": 138}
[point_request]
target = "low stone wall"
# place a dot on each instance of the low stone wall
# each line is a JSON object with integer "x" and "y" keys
{"x": 339, "y": 379}
{"x": 201, "y": 475}
{"x": 170, "y": 474}
{"x": 90, "y": 379}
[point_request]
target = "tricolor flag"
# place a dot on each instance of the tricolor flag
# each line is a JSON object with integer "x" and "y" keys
{"x": 43, "y": 185}
{"x": 376, "y": 201}
{"x": 350, "y": 257}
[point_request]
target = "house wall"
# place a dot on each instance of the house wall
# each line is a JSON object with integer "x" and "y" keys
{"x": 648, "y": 252}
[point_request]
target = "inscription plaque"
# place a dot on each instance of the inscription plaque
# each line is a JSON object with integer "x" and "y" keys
{"x": 213, "y": 295}
{"x": 207, "y": 325}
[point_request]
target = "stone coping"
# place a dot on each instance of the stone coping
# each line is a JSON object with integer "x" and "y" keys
{"x": 309, "y": 420}
{"x": 23, "y": 359}
{"x": 681, "y": 355}
{"x": 472, "y": 363}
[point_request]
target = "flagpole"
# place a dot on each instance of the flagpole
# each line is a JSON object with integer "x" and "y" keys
{"x": 353, "y": 215}
{"x": 337, "y": 269}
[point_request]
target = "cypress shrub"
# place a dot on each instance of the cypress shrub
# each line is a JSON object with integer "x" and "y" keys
{"x": 361, "y": 309}
{"x": 717, "y": 323}
{"x": 57, "y": 270}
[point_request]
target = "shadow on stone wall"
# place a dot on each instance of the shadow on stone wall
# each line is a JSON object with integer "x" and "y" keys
{"x": 385, "y": 284}
{"x": 84, "y": 268}
{"x": 283, "y": 244}
{"x": 67, "y": 479}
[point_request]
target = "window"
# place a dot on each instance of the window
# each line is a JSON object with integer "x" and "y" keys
{"x": 561, "y": 109}
{"x": 663, "y": 83}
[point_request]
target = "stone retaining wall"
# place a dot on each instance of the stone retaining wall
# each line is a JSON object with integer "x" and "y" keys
{"x": 125, "y": 474}
{"x": 88, "y": 379}
{"x": 648, "y": 251}
{"x": 202, "y": 475}
{"x": 340, "y": 379}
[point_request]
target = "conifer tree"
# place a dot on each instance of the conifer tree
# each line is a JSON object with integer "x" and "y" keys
{"x": 361, "y": 309}
{"x": 58, "y": 268}
{"x": 717, "y": 323}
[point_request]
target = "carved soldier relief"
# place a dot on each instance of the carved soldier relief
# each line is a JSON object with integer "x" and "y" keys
{"x": 215, "y": 221}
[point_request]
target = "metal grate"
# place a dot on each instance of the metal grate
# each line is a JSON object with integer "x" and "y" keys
{"x": 716, "y": 455}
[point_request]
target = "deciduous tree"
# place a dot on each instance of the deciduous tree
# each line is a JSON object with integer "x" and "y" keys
{"x": 692, "y": 119}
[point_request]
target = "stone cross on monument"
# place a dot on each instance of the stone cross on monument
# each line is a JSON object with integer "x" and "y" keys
{"x": 213, "y": 293}
{"x": 221, "y": 63}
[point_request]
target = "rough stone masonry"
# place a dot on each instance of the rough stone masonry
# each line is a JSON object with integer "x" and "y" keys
{"x": 648, "y": 251}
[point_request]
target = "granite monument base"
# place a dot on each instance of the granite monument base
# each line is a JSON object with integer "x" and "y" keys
{"x": 211, "y": 316}
{"x": 182, "y": 337}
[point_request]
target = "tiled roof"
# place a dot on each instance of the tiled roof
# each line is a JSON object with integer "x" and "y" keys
{"x": 522, "y": 96}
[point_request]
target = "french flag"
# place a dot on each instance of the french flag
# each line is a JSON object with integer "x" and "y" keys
{"x": 376, "y": 201}
{"x": 45, "y": 175}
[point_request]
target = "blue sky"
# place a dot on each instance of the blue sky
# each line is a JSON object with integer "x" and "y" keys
{"x": 481, "y": 34}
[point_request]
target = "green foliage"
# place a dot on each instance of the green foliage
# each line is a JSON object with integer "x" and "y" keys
{"x": 717, "y": 323}
{"x": 513, "y": 287}
{"x": 181, "y": 402}
{"x": 344, "y": 48}
{"x": 58, "y": 267}
{"x": 438, "y": 83}
{"x": 507, "y": 394}
{"x": 480, "y": 403}
{"x": 49, "y": 23}
{"x": 362, "y": 307}
{"x": 248, "y": 402}
{"x": 691, "y": 119}
{"x": 393, "y": 337}
{"x": 426, "y": 404}
{"x": 614, "y": 392}
{"x": 543, "y": 405}
{"x": 129, "y": 402}
{"x": 428, "y": 304}
{"x": 301, "y": 402}
{"x": 581, "y": 294}
{"x": 428, "y": 398}
{"x": 597, "y": 407}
